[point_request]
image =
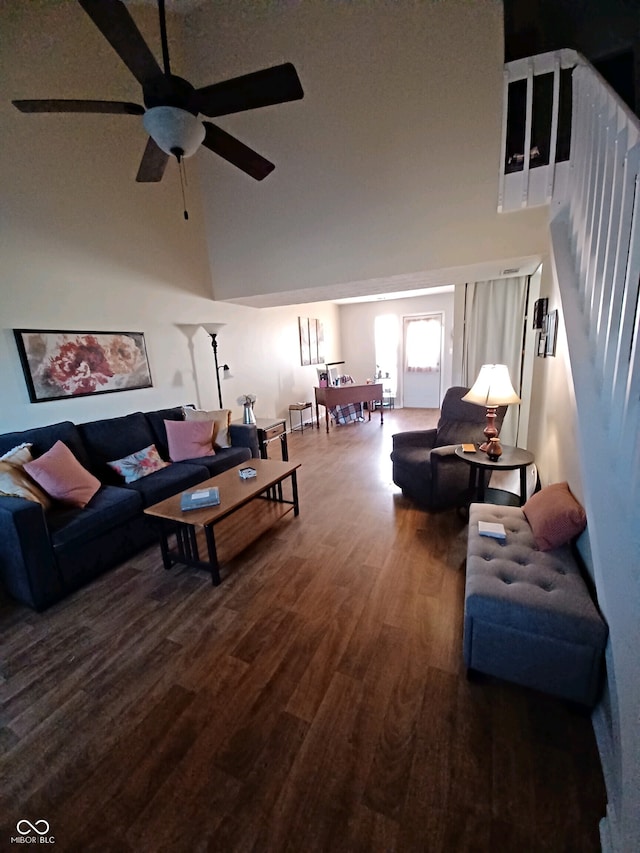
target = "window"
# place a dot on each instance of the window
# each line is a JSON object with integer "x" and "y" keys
{"x": 387, "y": 329}
{"x": 423, "y": 343}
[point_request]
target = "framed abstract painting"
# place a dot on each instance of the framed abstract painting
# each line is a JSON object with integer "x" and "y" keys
{"x": 60, "y": 364}
{"x": 305, "y": 352}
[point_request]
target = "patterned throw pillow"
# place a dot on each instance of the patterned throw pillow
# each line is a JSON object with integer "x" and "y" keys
{"x": 221, "y": 417}
{"x": 15, "y": 482}
{"x": 138, "y": 464}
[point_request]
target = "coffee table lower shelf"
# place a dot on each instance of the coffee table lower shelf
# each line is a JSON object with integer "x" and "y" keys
{"x": 248, "y": 509}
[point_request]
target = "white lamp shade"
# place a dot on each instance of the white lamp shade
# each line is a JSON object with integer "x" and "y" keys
{"x": 174, "y": 130}
{"x": 213, "y": 328}
{"x": 492, "y": 387}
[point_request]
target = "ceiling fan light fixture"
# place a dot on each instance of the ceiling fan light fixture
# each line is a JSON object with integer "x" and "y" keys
{"x": 172, "y": 128}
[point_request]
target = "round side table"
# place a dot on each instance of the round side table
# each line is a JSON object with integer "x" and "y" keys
{"x": 513, "y": 458}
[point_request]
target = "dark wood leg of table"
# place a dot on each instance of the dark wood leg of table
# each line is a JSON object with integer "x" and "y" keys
{"x": 480, "y": 475}
{"x": 317, "y": 417}
{"x": 523, "y": 485}
{"x": 294, "y": 487}
{"x": 326, "y": 417}
{"x": 473, "y": 495}
{"x": 164, "y": 546}
{"x": 213, "y": 555}
{"x": 284, "y": 447}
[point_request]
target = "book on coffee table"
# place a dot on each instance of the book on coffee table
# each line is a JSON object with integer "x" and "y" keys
{"x": 199, "y": 498}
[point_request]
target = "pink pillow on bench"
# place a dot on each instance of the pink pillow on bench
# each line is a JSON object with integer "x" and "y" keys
{"x": 555, "y": 516}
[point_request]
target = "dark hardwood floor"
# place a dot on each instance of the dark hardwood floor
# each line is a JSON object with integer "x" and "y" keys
{"x": 315, "y": 701}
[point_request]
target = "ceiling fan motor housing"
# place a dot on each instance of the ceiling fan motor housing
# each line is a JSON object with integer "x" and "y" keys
{"x": 174, "y": 130}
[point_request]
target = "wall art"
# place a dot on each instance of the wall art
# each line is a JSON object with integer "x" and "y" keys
{"x": 305, "y": 352}
{"x": 60, "y": 364}
{"x": 552, "y": 332}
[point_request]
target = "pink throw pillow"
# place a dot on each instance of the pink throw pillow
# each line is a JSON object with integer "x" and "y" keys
{"x": 190, "y": 439}
{"x": 62, "y": 477}
{"x": 555, "y": 516}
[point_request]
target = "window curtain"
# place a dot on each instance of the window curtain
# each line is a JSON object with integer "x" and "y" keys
{"x": 423, "y": 342}
{"x": 493, "y": 334}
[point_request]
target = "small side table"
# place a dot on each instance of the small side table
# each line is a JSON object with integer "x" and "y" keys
{"x": 512, "y": 459}
{"x": 270, "y": 429}
{"x": 302, "y": 408}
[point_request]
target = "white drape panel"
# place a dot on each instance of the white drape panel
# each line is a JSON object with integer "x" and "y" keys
{"x": 493, "y": 334}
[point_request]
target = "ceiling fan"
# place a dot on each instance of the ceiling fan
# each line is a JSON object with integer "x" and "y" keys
{"x": 172, "y": 105}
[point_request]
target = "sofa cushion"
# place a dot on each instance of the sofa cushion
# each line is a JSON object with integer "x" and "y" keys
{"x": 169, "y": 481}
{"x": 224, "y": 459}
{"x": 139, "y": 464}
{"x": 190, "y": 439}
{"x": 114, "y": 438}
{"x": 62, "y": 477}
{"x": 555, "y": 516}
{"x": 43, "y": 439}
{"x": 15, "y": 482}
{"x": 109, "y": 508}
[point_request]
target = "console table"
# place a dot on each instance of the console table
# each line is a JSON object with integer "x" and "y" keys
{"x": 342, "y": 395}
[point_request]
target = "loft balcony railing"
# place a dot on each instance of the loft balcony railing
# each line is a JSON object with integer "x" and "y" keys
{"x": 536, "y": 129}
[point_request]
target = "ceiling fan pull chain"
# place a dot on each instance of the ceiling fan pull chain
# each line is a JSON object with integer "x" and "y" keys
{"x": 183, "y": 183}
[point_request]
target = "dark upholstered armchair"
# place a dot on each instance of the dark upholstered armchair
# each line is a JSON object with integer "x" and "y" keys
{"x": 425, "y": 466}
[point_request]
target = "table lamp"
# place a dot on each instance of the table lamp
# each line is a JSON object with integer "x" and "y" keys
{"x": 492, "y": 388}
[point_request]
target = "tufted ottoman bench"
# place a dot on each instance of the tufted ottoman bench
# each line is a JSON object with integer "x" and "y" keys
{"x": 528, "y": 614}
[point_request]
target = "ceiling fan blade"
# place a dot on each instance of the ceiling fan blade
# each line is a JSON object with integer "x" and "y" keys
{"x": 67, "y": 106}
{"x": 236, "y": 152}
{"x": 153, "y": 164}
{"x": 115, "y": 23}
{"x": 259, "y": 89}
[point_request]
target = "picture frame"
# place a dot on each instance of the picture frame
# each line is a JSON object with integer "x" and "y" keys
{"x": 313, "y": 340}
{"x": 551, "y": 333}
{"x": 60, "y": 364}
{"x": 541, "y": 344}
{"x": 305, "y": 352}
{"x": 321, "y": 356}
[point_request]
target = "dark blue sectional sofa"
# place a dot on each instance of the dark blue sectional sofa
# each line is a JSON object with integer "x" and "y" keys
{"x": 44, "y": 556}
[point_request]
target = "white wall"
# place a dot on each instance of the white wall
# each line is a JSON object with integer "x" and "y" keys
{"x": 357, "y": 322}
{"x": 553, "y": 414}
{"x": 389, "y": 163}
{"x": 83, "y": 246}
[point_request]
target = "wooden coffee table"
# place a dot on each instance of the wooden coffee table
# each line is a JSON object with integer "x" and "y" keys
{"x": 261, "y": 497}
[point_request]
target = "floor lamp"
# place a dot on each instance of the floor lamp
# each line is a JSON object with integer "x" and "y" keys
{"x": 212, "y": 329}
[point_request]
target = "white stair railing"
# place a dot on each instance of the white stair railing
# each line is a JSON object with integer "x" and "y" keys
{"x": 595, "y": 253}
{"x": 594, "y": 205}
